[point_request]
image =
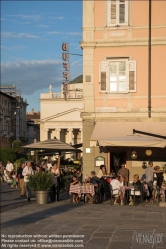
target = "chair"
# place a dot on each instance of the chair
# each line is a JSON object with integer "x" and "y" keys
{"x": 137, "y": 194}
{"x": 114, "y": 193}
{"x": 67, "y": 188}
{"x": 99, "y": 193}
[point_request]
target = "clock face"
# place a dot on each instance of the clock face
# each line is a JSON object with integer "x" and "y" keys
{"x": 148, "y": 152}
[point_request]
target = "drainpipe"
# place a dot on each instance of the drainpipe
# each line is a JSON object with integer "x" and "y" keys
{"x": 149, "y": 61}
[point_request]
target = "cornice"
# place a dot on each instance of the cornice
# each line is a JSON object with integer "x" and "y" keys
{"x": 122, "y": 43}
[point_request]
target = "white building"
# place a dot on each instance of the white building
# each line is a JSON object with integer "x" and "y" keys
{"x": 61, "y": 118}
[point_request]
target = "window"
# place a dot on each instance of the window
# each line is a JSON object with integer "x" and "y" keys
{"x": 117, "y": 12}
{"x": 117, "y": 76}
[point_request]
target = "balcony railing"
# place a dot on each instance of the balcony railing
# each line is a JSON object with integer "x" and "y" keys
{"x": 71, "y": 95}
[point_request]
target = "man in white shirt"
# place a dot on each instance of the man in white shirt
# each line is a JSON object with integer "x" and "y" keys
{"x": 49, "y": 165}
{"x": 9, "y": 166}
{"x": 27, "y": 171}
{"x": 115, "y": 187}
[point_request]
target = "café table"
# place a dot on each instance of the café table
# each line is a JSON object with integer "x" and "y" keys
{"x": 82, "y": 190}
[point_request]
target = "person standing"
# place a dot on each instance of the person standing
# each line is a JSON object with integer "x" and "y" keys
{"x": 1, "y": 172}
{"x": 149, "y": 178}
{"x": 124, "y": 172}
{"x": 9, "y": 166}
{"x": 21, "y": 179}
{"x": 27, "y": 171}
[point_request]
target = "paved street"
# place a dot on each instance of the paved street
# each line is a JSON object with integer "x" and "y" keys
{"x": 101, "y": 226}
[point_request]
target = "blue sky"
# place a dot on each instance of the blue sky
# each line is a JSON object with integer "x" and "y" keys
{"x": 32, "y": 33}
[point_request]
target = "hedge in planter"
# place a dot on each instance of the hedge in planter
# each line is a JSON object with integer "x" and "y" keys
{"x": 41, "y": 181}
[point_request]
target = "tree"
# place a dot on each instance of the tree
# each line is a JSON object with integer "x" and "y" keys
{"x": 16, "y": 145}
{"x": 7, "y": 154}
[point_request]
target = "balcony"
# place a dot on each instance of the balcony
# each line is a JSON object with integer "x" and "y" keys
{"x": 7, "y": 118}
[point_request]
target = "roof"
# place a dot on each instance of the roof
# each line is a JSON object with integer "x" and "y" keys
{"x": 78, "y": 79}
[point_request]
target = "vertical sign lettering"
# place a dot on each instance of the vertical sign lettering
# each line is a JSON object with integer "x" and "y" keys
{"x": 65, "y": 57}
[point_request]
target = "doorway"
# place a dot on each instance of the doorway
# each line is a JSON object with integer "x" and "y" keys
{"x": 116, "y": 159}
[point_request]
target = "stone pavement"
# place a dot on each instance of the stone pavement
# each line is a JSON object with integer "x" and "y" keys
{"x": 100, "y": 226}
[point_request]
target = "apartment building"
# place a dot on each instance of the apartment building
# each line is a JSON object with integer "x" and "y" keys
{"x": 116, "y": 88}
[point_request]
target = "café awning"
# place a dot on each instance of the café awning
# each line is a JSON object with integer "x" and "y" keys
{"x": 51, "y": 144}
{"x": 133, "y": 141}
{"x": 120, "y": 134}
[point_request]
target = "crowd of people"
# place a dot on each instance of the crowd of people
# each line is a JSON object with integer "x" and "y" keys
{"x": 111, "y": 183}
{"x": 20, "y": 178}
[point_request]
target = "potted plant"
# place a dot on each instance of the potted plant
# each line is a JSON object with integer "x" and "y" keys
{"x": 41, "y": 183}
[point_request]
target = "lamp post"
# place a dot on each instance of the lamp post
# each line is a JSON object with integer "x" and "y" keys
{"x": 36, "y": 154}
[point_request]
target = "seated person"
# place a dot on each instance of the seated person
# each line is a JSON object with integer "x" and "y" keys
{"x": 115, "y": 187}
{"x": 102, "y": 171}
{"x": 121, "y": 180}
{"x": 74, "y": 181}
{"x": 136, "y": 180}
{"x": 79, "y": 175}
{"x": 87, "y": 182}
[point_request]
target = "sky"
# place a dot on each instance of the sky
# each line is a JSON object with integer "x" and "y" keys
{"x": 32, "y": 33}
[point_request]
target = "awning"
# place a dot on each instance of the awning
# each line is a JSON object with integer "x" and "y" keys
{"x": 51, "y": 144}
{"x": 120, "y": 134}
{"x": 133, "y": 141}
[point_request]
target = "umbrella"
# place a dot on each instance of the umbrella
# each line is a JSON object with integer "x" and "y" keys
{"x": 52, "y": 145}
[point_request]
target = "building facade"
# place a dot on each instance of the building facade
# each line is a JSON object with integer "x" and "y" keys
{"x": 12, "y": 116}
{"x": 33, "y": 127}
{"x": 60, "y": 118}
{"x": 115, "y": 80}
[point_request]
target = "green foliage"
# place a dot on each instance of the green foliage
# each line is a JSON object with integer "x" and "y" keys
{"x": 16, "y": 145}
{"x": 7, "y": 154}
{"x": 18, "y": 162}
{"x": 41, "y": 181}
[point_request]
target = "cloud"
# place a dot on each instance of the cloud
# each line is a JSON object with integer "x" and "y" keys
{"x": 42, "y": 26}
{"x": 14, "y": 48}
{"x": 54, "y": 33}
{"x": 56, "y": 17}
{"x": 8, "y": 35}
{"x": 34, "y": 75}
{"x": 30, "y": 17}
{"x": 74, "y": 33}
{"x": 65, "y": 33}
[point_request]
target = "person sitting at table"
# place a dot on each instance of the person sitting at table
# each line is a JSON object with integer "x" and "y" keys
{"x": 136, "y": 180}
{"x": 87, "y": 182}
{"x": 115, "y": 187}
{"x": 74, "y": 181}
{"x": 79, "y": 175}
{"x": 102, "y": 171}
{"x": 121, "y": 179}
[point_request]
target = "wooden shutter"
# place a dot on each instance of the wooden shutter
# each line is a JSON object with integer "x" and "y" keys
{"x": 103, "y": 76}
{"x": 132, "y": 76}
